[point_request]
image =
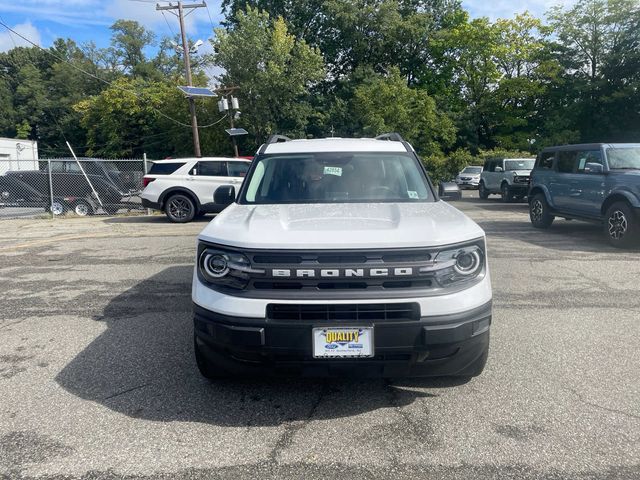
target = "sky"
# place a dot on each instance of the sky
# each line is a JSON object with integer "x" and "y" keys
{"x": 42, "y": 21}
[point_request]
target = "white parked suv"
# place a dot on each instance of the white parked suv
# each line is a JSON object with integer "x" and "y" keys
{"x": 337, "y": 257}
{"x": 183, "y": 188}
{"x": 469, "y": 177}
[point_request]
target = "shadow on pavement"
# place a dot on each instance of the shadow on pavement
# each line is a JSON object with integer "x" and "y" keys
{"x": 570, "y": 236}
{"x": 154, "y": 219}
{"x": 142, "y": 365}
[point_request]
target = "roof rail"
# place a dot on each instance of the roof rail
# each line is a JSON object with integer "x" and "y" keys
{"x": 273, "y": 139}
{"x": 277, "y": 139}
{"x": 392, "y": 136}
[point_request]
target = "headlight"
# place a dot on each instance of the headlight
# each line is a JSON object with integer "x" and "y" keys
{"x": 225, "y": 268}
{"x": 457, "y": 265}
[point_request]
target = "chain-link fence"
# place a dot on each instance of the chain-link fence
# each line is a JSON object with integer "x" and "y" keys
{"x": 65, "y": 186}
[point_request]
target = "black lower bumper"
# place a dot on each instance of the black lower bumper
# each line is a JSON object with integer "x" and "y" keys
{"x": 519, "y": 189}
{"x": 149, "y": 204}
{"x": 429, "y": 346}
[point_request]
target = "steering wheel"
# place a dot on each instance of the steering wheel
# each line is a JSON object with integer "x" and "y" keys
{"x": 380, "y": 191}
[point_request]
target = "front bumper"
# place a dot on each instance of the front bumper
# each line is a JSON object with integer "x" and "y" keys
{"x": 430, "y": 346}
{"x": 468, "y": 183}
{"x": 519, "y": 188}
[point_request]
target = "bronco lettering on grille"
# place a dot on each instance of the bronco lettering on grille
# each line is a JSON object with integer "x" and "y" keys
{"x": 340, "y": 272}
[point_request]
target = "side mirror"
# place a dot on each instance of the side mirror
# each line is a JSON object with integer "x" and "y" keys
{"x": 193, "y": 172}
{"x": 593, "y": 167}
{"x": 498, "y": 169}
{"x": 224, "y": 195}
{"x": 449, "y": 191}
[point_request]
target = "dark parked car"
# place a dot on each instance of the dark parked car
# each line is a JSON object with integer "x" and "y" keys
{"x": 73, "y": 187}
{"x": 14, "y": 193}
{"x": 126, "y": 177}
{"x": 594, "y": 182}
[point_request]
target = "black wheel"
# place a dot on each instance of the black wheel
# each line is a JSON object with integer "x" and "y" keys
{"x": 539, "y": 212}
{"x": 206, "y": 369}
{"x": 483, "y": 193}
{"x": 180, "y": 208}
{"x": 506, "y": 193}
{"x": 82, "y": 208}
{"x": 621, "y": 226}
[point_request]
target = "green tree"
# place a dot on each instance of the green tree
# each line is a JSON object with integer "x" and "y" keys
{"x": 597, "y": 44}
{"x": 387, "y": 104}
{"x": 273, "y": 70}
{"x": 128, "y": 41}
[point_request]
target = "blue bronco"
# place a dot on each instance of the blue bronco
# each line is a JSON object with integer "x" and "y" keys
{"x": 594, "y": 182}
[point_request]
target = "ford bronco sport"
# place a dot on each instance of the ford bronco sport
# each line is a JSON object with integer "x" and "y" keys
{"x": 507, "y": 176}
{"x": 337, "y": 257}
{"x": 593, "y": 182}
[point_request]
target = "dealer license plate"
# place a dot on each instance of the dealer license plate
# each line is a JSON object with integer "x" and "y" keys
{"x": 340, "y": 342}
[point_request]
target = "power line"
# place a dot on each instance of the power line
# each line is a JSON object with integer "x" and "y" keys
{"x": 209, "y": 13}
{"x": 168, "y": 24}
{"x": 111, "y": 84}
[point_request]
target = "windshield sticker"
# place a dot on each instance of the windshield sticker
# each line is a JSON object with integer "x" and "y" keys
{"x": 337, "y": 171}
{"x": 412, "y": 194}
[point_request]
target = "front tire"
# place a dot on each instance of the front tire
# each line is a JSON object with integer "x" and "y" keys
{"x": 621, "y": 226}
{"x": 483, "y": 193}
{"x": 180, "y": 208}
{"x": 506, "y": 193}
{"x": 539, "y": 212}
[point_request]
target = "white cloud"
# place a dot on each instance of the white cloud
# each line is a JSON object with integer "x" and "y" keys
{"x": 9, "y": 40}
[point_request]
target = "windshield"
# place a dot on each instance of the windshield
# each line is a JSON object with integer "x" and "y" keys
{"x": 336, "y": 178}
{"x": 624, "y": 158}
{"x": 519, "y": 164}
{"x": 472, "y": 170}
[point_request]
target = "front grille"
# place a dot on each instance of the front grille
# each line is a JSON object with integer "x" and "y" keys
{"x": 340, "y": 260}
{"x": 344, "y": 312}
{"x": 521, "y": 180}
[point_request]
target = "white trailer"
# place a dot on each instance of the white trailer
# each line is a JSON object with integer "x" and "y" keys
{"x": 17, "y": 154}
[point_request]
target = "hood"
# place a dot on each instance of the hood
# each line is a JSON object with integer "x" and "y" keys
{"x": 341, "y": 225}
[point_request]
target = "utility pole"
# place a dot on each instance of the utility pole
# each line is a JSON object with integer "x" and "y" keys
{"x": 187, "y": 65}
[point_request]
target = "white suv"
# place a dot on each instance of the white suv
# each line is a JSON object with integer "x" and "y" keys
{"x": 183, "y": 188}
{"x": 337, "y": 257}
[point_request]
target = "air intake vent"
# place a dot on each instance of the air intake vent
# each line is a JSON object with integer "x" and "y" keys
{"x": 344, "y": 312}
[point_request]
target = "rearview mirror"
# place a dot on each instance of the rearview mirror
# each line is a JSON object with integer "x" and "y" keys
{"x": 449, "y": 191}
{"x": 224, "y": 195}
{"x": 593, "y": 167}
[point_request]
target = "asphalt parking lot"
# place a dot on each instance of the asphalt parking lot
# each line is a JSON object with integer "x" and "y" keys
{"x": 97, "y": 378}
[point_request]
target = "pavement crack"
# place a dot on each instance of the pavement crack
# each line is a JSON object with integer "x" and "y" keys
{"x": 291, "y": 428}
{"x": 125, "y": 391}
{"x": 601, "y": 407}
{"x": 12, "y": 323}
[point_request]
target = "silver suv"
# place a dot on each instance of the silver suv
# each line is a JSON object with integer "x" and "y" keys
{"x": 508, "y": 177}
